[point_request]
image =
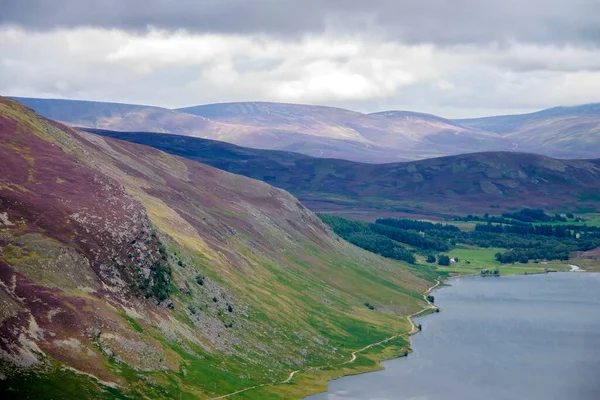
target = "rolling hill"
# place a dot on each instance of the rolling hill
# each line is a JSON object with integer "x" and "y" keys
{"x": 406, "y": 135}
{"x": 328, "y": 132}
{"x": 452, "y": 185}
{"x": 125, "y": 117}
{"x": 127, "y": 272}
{"x": 560, "y": 131}
{"x": 313, "y": 130}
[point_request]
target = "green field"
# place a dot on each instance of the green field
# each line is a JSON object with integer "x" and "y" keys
{"x": 480, "y": 258}
{"x": 591, "y": 219}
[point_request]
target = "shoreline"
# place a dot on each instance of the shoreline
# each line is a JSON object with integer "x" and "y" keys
{"x": 414, "y": 330}
{"x": 565, "y": 273}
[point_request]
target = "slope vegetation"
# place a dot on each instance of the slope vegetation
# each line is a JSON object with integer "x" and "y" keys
{"x": 129, "y": 272}
{"x": 448, "y": 185}
{"x": 126, "y": 117}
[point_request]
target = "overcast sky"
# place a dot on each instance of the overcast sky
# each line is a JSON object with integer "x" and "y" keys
{"x": 454, "y": 58}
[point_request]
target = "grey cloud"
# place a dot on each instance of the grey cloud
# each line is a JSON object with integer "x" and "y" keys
{"x": 428, "y": 21}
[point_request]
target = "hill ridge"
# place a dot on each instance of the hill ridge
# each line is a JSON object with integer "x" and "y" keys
{"x": 484, "y": 181}
{"x": 325, "y": 131}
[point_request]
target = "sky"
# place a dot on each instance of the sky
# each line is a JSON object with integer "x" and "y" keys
{"x": 455, "y": 58}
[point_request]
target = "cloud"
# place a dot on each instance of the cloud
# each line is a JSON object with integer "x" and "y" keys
{"x": 439, "y": 22}
{"x": 178, "y": 68}
{"x": 456, "y": 59}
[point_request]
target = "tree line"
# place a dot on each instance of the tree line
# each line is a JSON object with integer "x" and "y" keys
{"x": 523, "y": 242}
{"x": 416, "y": 225}
{"x": 527, "y": 216}
{"x": 560, "y": 231}
{"x": 368, "y": 237}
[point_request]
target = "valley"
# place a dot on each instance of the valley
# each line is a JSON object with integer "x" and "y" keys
{"x": 125, "y": 270}
{"x": 158, "y": 265}
{"x": 299, "y": 200}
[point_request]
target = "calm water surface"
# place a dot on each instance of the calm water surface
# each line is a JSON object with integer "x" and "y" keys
{"x": 521, "y": 337}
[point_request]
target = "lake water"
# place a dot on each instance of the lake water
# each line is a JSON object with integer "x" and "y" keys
{"x": 519, "y": 337}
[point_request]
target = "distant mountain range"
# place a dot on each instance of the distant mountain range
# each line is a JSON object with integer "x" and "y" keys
{"x": 480, "y": 182}
{"x": 559, "y": 131}
{"x": 318, "y": 131}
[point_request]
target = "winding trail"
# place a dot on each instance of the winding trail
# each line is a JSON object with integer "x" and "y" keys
{"x": 414, "y": 329}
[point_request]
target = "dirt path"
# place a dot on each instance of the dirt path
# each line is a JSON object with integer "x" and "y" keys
{"x": 414, "y": 329}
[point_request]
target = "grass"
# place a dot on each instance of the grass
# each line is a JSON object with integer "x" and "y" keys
{"x": 591, "y": 219}
{"x": 316, "y": 380}
{"x": 286, "y": 302}
{"x": 480, "y": 257}
{"x": 57, "y": 383}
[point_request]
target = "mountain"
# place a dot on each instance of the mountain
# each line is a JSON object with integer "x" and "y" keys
{"x": 329, "y": 132}
{"x": 405, "y": 135}
{"x": 560, "y": 131}
{"x": 126, "y": 272}
{"x": 125, "y": 117}
{"x": 313, "y": 130}
{"x": 452, "y": 185}
{"x": 444, "y": 133}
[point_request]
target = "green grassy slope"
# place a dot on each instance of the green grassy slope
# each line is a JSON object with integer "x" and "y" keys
{"x": 257, "y": 285}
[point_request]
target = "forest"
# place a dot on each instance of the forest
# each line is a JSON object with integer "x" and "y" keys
{"x": 403, "y": 239}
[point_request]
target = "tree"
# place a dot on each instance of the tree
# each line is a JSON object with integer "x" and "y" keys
{"x": 431, "y": 259}
{"x": 443, "y": 259}
{"x": 431, "y": 299}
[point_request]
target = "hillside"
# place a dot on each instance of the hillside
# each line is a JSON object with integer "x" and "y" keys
{"x": 128, "y": 272}
{"x": 125, "y": 117}
{"x": 560, "y": 131}
{"x": 447, "y": 185}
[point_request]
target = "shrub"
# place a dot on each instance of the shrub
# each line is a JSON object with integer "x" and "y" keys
{"x": 443, "y": 259}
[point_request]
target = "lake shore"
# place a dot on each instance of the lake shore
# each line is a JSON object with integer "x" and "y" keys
{"x": 477, "y": 311}
{"x": 312, "y": 381}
